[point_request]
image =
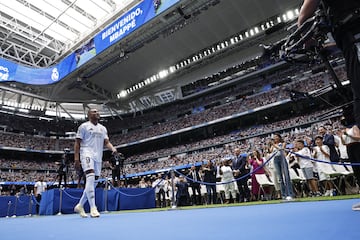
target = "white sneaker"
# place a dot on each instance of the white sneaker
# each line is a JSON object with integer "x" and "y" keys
{"x": 288, "y": 198}
{"x": 356, "y": 207}
{"x": 94, "y": 212}
{"x": 80, "y": 209}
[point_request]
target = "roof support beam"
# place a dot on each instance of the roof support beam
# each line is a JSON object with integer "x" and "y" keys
{"x": 53, "y": 20}
{"x": 69, "y": 114}
{"x": 98, "y": 91}
{"x": 112, "y": 111}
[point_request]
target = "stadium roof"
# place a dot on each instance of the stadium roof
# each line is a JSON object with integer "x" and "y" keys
{"x": 40, "y": 33}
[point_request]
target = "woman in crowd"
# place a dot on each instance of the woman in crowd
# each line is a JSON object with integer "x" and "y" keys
{"x": 255, "y": 161}
{"x": 281, "y": 167}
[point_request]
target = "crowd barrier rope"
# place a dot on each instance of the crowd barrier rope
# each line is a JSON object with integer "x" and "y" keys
{"x": 135, "y": 195}
{"x": 235, "y": 179}
{"x": 322, "y": 161}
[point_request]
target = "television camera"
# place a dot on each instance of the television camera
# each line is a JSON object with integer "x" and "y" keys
{"x": 310, "y": 43}
{"x": 117, "y": 167}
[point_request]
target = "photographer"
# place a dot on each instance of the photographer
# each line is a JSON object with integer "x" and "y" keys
{"x": 63, "y": 168}
{"x": 344, "y": 18}
{"x": 116, "y": 166}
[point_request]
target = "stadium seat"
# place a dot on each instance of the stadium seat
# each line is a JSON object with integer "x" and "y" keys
{"x": 264, "y": 181}
{"x": 345, "y": 174}
{"x": 299, "y": 180}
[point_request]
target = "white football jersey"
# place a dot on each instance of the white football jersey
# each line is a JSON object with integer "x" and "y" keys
{"x": 92, "y": 139}
{"x": 305, "y": 162}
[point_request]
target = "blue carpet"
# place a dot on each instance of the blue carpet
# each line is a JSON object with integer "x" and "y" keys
{"x": 293, "y": 220}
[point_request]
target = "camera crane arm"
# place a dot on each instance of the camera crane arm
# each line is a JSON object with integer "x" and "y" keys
{"x": 290, "y": 49}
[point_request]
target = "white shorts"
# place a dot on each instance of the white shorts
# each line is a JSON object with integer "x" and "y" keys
{"x": 308, "y": 173}
{"x": 88, "y": 163}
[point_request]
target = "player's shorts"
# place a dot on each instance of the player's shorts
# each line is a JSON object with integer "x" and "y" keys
{"x": 88, "y": 163}
{"x": 308, "y": 173}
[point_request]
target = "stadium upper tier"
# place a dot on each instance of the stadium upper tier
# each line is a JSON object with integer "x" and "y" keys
{"x": 126, "y": 35}
{"x": 281, "y": 94}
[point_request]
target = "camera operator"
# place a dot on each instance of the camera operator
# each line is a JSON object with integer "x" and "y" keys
{"x": 63, "y": 168}
{"x": 116, "y": 166}
{"x": 344, "y": 17}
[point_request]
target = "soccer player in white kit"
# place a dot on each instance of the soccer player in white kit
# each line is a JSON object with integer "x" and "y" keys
{"x": 91, "y": 137}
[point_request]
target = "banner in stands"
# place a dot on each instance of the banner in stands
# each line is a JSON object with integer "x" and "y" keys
{"x": 120, "y": 28}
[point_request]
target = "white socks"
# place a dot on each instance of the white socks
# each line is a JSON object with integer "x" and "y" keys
{"x": 89, "y": 192}
{"x": 90, "y": 189}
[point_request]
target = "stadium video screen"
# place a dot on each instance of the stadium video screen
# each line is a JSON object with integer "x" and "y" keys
{"x": 120, "y": 28}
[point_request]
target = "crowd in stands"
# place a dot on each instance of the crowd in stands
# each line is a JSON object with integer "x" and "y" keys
{"x": 215, "y": 146}
{"x": 9, "y": 139}
{"x": 35, "y": 126}
{"x": 214, "y": 149}
{"x": 14, "y": 170}
{"x": 304, "y": 84}
{"x": 229, "y": 74}
{"x": 223, "y": 139}
{"x": 250, "y": 102}
{"x": 181, "y": 109}
{"x": 221, "y": 153}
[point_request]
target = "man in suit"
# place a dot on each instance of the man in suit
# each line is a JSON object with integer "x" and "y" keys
{"x": 63, "y": 169}
{"x": 240, "y": 168}
{"x": 182, "y": 193}
{"x": 195, "y": 185}
{"x": 329, "y": 140}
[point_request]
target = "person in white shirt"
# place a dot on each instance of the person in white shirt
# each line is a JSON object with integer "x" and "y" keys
{"x": 91, "y": 137}
{"x": 39, "y": 187}
{"x": 159, "y": 185}
{"x": 142, "y": 183}
{"x": 341, "y": 147}
{"x": 322, "y": 153}
{"x": 228, "y": 177}
{"x": 352, "y": 144}
{"x": 307, "y": 166}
